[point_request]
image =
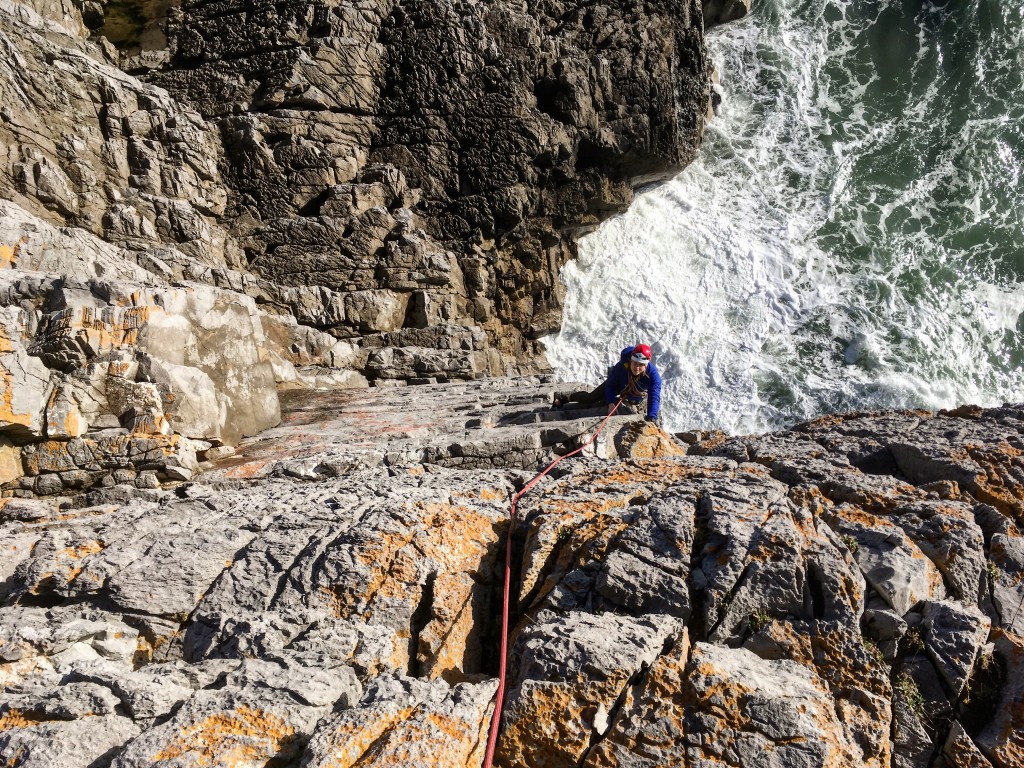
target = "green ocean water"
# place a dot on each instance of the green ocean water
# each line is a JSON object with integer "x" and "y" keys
{"x": 852, "y": 235}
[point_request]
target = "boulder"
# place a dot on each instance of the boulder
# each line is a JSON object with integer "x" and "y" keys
{"x": 569, "y": 674}
{"x": 954, "y": 635}
{"x": 749, "y": 710}
{"x": 412, "y": 722}
{"x": 1002, "y": 739}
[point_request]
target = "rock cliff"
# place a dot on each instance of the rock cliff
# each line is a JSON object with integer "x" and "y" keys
{"x": 202, "y": 203}
{"x": 223, "y": 219}
{"x": 847, "y": 593}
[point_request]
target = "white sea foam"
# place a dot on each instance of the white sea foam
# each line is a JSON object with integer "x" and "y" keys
{"x": 779, "y": 277}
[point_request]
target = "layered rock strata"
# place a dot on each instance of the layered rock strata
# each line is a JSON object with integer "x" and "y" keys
{"x": 204, "y": 202}
{"x": 845, "y": 593}
{"x": 389, "y": 170}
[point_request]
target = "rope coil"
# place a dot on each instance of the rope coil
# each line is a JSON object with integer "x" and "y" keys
{"x": 492, "y": 737}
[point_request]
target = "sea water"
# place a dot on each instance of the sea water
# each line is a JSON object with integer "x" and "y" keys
{"x": 851, "y": 236}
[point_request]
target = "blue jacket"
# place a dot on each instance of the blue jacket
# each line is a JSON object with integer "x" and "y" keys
{"x": 648, "y": 381}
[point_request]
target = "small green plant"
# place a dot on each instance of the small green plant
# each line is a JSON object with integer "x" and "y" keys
{"x": 907, "y": 688}
{"x": 758, "y": 620}
{"x": 981, "y": 695}
{"x": 913, "y": 640}
{"x": 850, "y": 543}
{"x": 874, "y": 651}
{"x": 994, "y": 574}
{"x": 564, "y": 533}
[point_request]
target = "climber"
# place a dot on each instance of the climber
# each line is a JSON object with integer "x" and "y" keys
{"x": 634, "y": 378}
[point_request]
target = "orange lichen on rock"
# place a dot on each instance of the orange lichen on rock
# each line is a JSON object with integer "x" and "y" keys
{"x": 658, "y": 699}
{"x": 648, "y": 441}
{"x": 552, "y": 723}
{"x": 14, "y": 718}
{"x": 444, "y": 544}
{"x": 351, "y": 740}
{"x": 77, "y": 553}
{"x": 235, "y": 739}
{"x": 656, "y": 473}
{"x": 90, "y": 547}
{"x": 999, "y": 485}
{"x": 448, "y": 644}
{"x": 9, "y": 254}
{"x": 7, "y": 412}
{"x": 14, "y": 672}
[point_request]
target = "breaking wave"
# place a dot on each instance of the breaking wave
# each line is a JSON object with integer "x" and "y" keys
{"x": 850, "y": 237}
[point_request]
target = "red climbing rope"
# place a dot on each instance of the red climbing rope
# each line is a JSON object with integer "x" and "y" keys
{"x": 492, "y": 737}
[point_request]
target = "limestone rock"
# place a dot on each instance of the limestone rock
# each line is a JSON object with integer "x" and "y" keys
{"x": 954, "y": 636}
{"x": 645, "y": 732}
{"x": 487, "y": 143}
{"x": 24, "y": 380}
{"x": 328, "y": 592}
{"x": 62, "y": 743}
{"x": 570, "y": 671}
{"x": 749, "y": 711}
{"x": 890, "y": 561}
{"x": 960, "y": 750}
{"x": 414, "y": 722}
{"x": 1002, "y": 739}
{"x": 911, "y": 745}
{"x": 222, "y": 726}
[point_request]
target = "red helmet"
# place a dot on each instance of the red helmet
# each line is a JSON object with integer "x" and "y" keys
{"x": 641, "y": 354}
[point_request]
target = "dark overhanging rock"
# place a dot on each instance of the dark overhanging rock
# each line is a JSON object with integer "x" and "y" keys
{"x": 514, "y": 127}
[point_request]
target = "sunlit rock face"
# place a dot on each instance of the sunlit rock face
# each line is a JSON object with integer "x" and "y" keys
{"x": 216, "y": 217}
{"x": 329, "y": 594}
{"x": 204, "y": 203}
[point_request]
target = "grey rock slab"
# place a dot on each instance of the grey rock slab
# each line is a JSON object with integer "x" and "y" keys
{"x": 766, "y": 555}
{"x": 648, "y": 568}
{"x": 24, "y": 380}
{"x": 946, "y": 531}
{"x": 890, "y": 561}
{"x": 911, "y": 745}
{"x": 645, "y": 731}
{"x": 578, "y": 665}
{"x": 405, "y": 721}
{"x": 218, "y": 727}
{"x": 856, "y": 677}
{"x": 150, "y": 692}
{"x": 954, "y": 634}
{"x": 145, "y": 558}
{"x": 31, "y": 632}
{"x": 752, "y": 711}
{"x": 39, "y": 246}
{"x": 961, "y": 751}
{"x": 68, "y": 702}
{"x": 1002, "y": 739}
{"x": 313, "y": 679}
{"x": 176, "y": 568}
{"x": 75, "y": 743}
{"x": 1006, "y": 559}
